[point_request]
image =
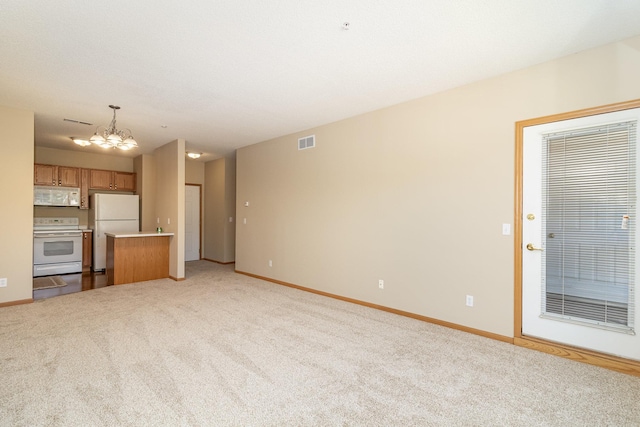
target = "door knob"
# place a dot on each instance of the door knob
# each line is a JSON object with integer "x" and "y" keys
{"x": 532, "y": 248}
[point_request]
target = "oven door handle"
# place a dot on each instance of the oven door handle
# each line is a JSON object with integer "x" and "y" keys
{"x": 54, "y": 235}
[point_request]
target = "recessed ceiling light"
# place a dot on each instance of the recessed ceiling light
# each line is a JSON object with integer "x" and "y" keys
{"x": 193, "y": 155}
{"x": 163, "y": 126}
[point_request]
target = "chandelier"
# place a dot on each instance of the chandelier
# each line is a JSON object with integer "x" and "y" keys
{"x": 110, "y": 136}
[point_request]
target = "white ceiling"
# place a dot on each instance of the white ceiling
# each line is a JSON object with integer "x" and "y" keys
{"x": 225, "y": 74}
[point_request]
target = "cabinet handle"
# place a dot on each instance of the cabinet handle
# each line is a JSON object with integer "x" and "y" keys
{"x": 110, "y": 186}
{"x": 53, "y": 182}
{"x": 59, "y": 182}
{"x": 116, "y": 186}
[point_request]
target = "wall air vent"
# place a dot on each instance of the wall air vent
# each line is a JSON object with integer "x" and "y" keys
{"x": 306, "y": 142}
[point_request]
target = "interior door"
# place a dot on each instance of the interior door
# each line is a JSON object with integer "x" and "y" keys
{"x": 579, "y": 233}
{"x": 192, "y": 223}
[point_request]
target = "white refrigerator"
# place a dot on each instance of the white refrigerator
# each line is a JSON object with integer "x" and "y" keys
{"x": 111, "y": 213}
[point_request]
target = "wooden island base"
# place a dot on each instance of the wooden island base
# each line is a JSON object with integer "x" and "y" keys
{"x": 137, "y": 257}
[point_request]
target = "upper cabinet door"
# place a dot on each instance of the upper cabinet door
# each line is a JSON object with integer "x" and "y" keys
{"x": 100, "y": 179}
{"x": 56, "y": 176}
{"x": 45, "y": 175}
{"x": 125, "y": 181}
{"x": 68, "y": 176}
{"x": 112, "y": 180}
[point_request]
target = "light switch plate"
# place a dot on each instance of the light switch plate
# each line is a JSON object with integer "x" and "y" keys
{"x": 506, "y": 229}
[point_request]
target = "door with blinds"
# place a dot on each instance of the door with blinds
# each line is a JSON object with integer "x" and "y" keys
{"x": 579, "y": 233}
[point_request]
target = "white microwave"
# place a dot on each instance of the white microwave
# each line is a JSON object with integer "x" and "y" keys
{"x": 56, "y": 196}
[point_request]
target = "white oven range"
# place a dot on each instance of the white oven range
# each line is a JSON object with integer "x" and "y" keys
{"x": 57, "y": 246}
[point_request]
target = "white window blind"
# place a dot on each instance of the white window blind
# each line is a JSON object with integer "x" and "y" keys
{"x": 589, "y": 209}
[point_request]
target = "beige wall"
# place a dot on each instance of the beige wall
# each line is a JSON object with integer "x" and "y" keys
{"x": 145, "y": 168}
{"x": 16, "y": 192}
{"x": 414, "y": 194}
{"x": 170, "y": 176}
{"x": 193, "y": 172}
{"x": 219, "y": 201}
{"x": 83, "y": 159}
{"x": 230, "y": 210}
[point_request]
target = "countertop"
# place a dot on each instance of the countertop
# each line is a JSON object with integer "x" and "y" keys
{"x": 138, "y": 234}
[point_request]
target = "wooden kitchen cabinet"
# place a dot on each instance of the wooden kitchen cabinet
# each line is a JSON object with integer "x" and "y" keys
{"x": 111, "y": 180}
{"x": 84, "y": 188}
{"x": 85, "y": 179}
{"x": 56, "y": 176}
{"x": 100, "y": 179}
{"x": 137, "y": 257}
{"x": 125, "y": 181}
{"x": 87, "y": 250}
{"x": 45, "y": 175}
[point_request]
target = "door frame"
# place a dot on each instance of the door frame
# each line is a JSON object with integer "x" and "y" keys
{"x": 586, "y": 356}
{"x": 199, "y": 216}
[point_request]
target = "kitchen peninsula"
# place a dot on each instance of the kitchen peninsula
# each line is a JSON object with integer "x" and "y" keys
{"x": 136, "y": 257}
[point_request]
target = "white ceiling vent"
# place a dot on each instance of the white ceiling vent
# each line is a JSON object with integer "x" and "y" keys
{"x": 78, "y": 121}
{"x": 306, "y": 142}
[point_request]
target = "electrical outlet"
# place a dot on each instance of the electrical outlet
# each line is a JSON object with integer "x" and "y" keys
{"x": 381, "y": 284}
{"x": 469, "y": 301}
{"x": 3, "y": 282}
{"x": 270, "y": 263}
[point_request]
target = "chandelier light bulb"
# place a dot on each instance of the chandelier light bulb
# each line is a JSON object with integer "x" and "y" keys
{"x": 129, "y": 143}
{"x": 97, "y": 139}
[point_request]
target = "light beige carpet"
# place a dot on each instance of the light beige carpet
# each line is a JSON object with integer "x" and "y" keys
{"x": 48, "y": 282}
{"x": 222, "y": 349}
